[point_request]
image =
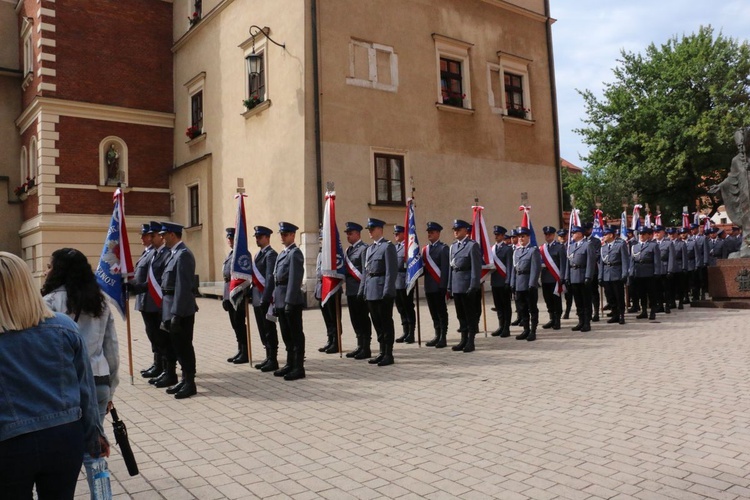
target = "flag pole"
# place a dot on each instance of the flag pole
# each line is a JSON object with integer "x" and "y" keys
{"x": 338, "y": 323}
{"x": 130, "y": 338}
{"x": 248, "y": 331}
{"x": 599, "y": 284}
{"x": 484, "y": 305}
{"x": 416, "y": 287}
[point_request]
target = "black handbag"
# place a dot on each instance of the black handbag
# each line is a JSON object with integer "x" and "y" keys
{"x": 121, "y": 439}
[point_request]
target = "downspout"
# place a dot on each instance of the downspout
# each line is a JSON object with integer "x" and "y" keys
{"x": 316, "y": 104}
{"x": 553, "y": 96}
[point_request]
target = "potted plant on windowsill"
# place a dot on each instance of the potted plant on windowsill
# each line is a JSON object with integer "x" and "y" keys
{"x": 253, "y": 101}
{"x": 193, "y": 132}
{"x": 516, "y": 112}
{"x": 194, "y": 19}
{"x": 453, "y": 99}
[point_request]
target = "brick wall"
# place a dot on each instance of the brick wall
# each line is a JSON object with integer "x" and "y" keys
{"x": 87, "y": 201}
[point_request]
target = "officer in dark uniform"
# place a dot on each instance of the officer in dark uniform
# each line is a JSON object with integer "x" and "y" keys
{"x": 149, "y": 318}
{"x": 236, "y": 316}
{"x": 404, "y": 301}
{"x": 701, "y": 258}
{"x": 262, "y": 297}
{"x": 562, "y": 238}
{"x": 714, "y": 247}
{"x": 358, "y": 313}
{"x": 502, "y": 258}
{"x": 645, "y": 268}
{"x": 288, "y": 302}
{"x": 553, "y": 250}
{"x": 633, "y": 305}
{"x": 527, "y": 265}
{"x": 664, "y": 280}
{"x": 464, "y": 283}
{"x": 579, "y": 276}
{"x": 437, "y": 267}
{"x": 613, "y": 272}
{"x": 328, "y": 310}
{"x": 378, "y": 289}
{"x": 179, "y": 306}
{"x": 692, "y": 288}
{"x": 593, "y": 291}
{"x": 679, "y": 273}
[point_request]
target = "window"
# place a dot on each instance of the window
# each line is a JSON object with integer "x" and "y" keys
{"x": 372, "y": 65}
{"x": 196, "y": 110}
{"x": 195, "y": 88}
{"x": 454, "y": 74}
{"x": 195, "y": 10}
{"x": 256, "y": 78}
{"x": 515, "y": 85}
{"x": 28, "y": 55}
{"x": 194, "y": 205}
{"x": 514, "y": 95}
{"x": 389, "y": 179}
{"x": 33, "y": 154}
{"x": 24, "y": 165}
{"x": 198, "y": 7}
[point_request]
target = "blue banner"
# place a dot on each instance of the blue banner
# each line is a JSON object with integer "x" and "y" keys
{"x": 624, "y": 226}
{"x": 115, "y": 261}
{"x": 242, "y": 261}
{"x": 414, "y": 263}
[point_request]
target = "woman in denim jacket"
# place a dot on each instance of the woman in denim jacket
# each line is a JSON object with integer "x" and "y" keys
{"x": 70, "y": 287}
{"x": 48, "y": 410}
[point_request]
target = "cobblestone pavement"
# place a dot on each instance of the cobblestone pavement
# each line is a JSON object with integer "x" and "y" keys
{"x": 647, "y": 410}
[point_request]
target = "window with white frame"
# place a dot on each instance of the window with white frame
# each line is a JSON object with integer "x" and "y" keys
{"x": 24, "y": 164}
{"x": 453, "y": 71}
{"x": 28, "y": 55}
{"x": 195, "y": 89}
{"x": 33, "y": 155}
{"x": 514, "y": 72}
{"x": 389, "y": 174}
{"x": 372, "y": 65}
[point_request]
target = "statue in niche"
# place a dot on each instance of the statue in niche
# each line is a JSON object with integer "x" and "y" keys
{"x": 113, "y": 164}
{"x": 735, "y": 191}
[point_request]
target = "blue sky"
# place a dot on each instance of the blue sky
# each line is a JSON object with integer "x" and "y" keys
{"x": 589, "y": 35}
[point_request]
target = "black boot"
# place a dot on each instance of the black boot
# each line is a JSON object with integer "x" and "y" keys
{"x": 271, "y": 364}
{"x": 469, "y": 347}
{"x": 334, "y": 347}
{"x": 461, "y": 345}
{"x": 586, "y": 326}
{"x": 289, "y": 366}
{"x": 549, "y": 324}
{"x": 643, "y": 315}
{"x": 652, "y": 315}
{"x": 239, "y": 351}
{"x": 516, "y": 321}
{"x": 387, "y": 355}
{"x": 353, "y": 354}
{"x": 242, "y": 358}
{"x": 614, "y": 319}
{"x": 410, "y": 335}
{"x": 259, "y": 366}
{"x": 443, "y": 340}
{"x": 327, "y": 345}
{"x": 176, "y": 388}
{"x": 168, "y": 377}
{"x": 403, "y": 337}
{"x": 506, "y": 328}
{"x": 622, "y": 319}
{"x": 531, "y": 337}
{"x": 497, "y": 332}
{"x": 364, "y": 352}
{"x": 435, "y": 339}
{"x": 155, "y": 369}
{"x": 164, "y": 364}
{"x": 298, "y": 371}
{"x": 556, "y": 326}
{"x": 525, "y": 334}
{"x": 377, "y": 359}
{"x": 188, "y": 388}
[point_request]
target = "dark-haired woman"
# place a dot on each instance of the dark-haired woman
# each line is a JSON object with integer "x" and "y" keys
{"x": 70, "y": 287}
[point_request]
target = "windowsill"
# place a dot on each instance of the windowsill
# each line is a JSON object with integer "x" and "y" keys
{"x": 193, "y": 229}
{"x": 454, "y": 109}
{"x": 375, "y": 206}
{"x": 196, "y": 140}
{"x": 27, "y": 80}
{"x": 108, "y": 188}
{"x": 257, "y": 109}
{"x": 519, "y": 121}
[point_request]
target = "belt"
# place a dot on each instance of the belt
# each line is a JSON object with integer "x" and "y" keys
{"x": 616, "y": 264}
{"x": 402, "y": 270}
{"x": 645, "y": 262}
{"x": 460, "y": 268}
{"x": 574, "y": 266}
{"x": 281, "y": 282}
{"x": 522, "y": 272}
{"x": 103, "y": 380}
{"x": 375, "y": 274}
{"x": 167, "y": 292}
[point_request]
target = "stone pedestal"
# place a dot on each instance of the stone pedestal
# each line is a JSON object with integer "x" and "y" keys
{"x": 729, "y": 283}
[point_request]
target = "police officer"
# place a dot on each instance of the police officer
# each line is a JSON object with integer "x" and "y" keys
{"x": 645, "y": 268}
{"x": 179, "y": 307}
{"x": 358, "y": 313}
{"x": 613, "y": 272}
{"x": 733, "y": 241}
{"x": 288, "y": 302}
{"x": 236, "y": 315}
{"x": 702, "y": 235}
{"x": 714, "y": 247}
{"x": 262, "y": 297}
{"x": 502, "y": 258}
{"x": 664, "y": 280}
{"x": 328, "y": 310}
{"x": 593, "y": 291}
{"x": 404, "y": 301}
{"x": 464, "y": 283}
{"x": 579, "y": 276}
{"x": 524, "y": 280}
{"x": 437, "y": 267}
{"x": 553, "y": 274}
{"x": 378, "y": 288}
{"x": 562, "y": 238}
{"x": 692, "y": 288}
{"x": 679, "y": 273}
{"x": 633, "y": 304}
{"x": 151, "y": 318}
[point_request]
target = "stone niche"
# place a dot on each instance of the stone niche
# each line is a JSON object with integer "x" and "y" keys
{"x": 729, "y": 283}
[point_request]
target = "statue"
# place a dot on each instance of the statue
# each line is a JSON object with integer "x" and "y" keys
{"x": 735, "y": 191}
{"x": 113, "y": 164}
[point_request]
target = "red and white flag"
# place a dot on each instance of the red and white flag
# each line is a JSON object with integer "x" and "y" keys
{"x": 332, "y": 266}
{"x": 479, "y": 234}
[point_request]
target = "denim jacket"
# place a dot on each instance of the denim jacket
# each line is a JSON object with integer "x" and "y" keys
{"x": 46, "y": 381}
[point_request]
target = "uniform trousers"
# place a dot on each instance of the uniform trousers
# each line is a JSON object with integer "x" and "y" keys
{"x": 266, "y": 329}
{"x": 593, "y": 296}
{"x": 181, "y": 336}
{"x": 359, "y": 315}
{"x": 582, "y": 299}
{"x": 405, "y": 307}
{"x": 467, "y": 311}
{"x": 695, "y": 283}
{"x": 328, "y": 310}
{"x": 615, "y": 292}
{"x": 237, "y": 319}
{"x": 526, "y": 302}
{"x": 663, "y": 290}
{"x": 553, "y": 302}
{"x": 159, "y": 339}
{"x": 438, "y": 307}
{"x": 647, "y": 292}
{"x": 381, "y": 312}
{"x": 501, "y": 296}
{"x": 703, "y": 271}
{"x": 681, "y": 290}
{"x": 290, "y": 324}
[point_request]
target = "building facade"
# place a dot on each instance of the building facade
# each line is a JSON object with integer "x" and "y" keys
{"x": 453, "y": 98}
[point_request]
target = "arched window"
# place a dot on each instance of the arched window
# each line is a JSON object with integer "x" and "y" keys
{"x": 33, "y": 163}
{"x": 113, "y": 162}
{"x": 24, "y": 165}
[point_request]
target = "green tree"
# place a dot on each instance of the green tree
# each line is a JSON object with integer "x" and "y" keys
{"x": 664, "y": 128}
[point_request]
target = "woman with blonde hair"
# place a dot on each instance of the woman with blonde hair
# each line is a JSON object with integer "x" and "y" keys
{"x": 48, "y": 409}
{"x": 70, "y": 287}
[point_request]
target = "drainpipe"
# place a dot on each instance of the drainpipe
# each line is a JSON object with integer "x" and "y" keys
{"x": 316, "y": 104}
{"x": 553, "y": 96}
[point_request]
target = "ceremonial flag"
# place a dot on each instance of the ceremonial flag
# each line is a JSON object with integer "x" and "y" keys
{"x": 526, "y": 222}
{"x": 706, "y": 224}
{"x": 479, "y": 234}
{"x": 685, "y": 220}
{"x": 575, "y": 220}
{"x": 657, "y": 219}
{"x": 697, "y": 218}
{"x": 242, "y": 261}
{"x": 115, "y": 262}
{"x": 332, "y": 264}
{"x": 598, "y": 230}
{"x": 624, "y": 226}
{"x": 635, "y": 224}
{"x": 412, "y": 255}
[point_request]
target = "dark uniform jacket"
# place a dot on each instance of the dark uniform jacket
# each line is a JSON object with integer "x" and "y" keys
{"x": 140, "y": 275}
{"x": 614, "y": 261}
{"x": 581, "y": 262}
{"x": 504, "y": 253}
{"x": 645, "y": 260}
{"x": 265, "y": 261}
{"x": 226, "y": 271}
{"x": 356, "y": 254}
{"x": 690, "y": 246}
{"x": 714, "y": 250}
{"x": 288, "y": 273}
{"x": 680, "y": 256}
{"x": 177, "y": 283}
{"x": 527, "y": 264}
{"x": 557, "y": 252}
{"x": 401, "y": 276}
{"x": 379, "y": 278}
{"x": 439, "y": 253}
{"x": 465, "y": 266}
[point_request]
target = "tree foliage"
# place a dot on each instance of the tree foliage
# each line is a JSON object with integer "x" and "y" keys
{"x": 664, "y": 128}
